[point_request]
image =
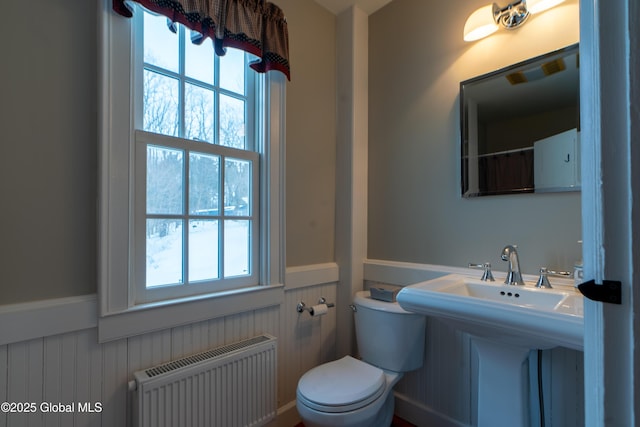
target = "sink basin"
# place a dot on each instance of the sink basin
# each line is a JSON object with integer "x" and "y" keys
{"x": 519, "y": 315}
{"x": 504, "y": 294}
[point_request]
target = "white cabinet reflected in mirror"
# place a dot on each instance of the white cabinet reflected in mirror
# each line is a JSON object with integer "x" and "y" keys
{"x": 520, "y": 127}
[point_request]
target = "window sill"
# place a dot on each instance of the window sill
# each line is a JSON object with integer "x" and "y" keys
{"x": 157, "y": 316}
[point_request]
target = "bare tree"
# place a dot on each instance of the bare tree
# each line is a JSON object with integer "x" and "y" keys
{"x": 160, "y": 104}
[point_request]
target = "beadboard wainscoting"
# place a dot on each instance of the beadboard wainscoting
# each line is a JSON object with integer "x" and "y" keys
{"x": 65, "y": 367}
{"x": 443, "y": 392}
{"x": 59, "y": 361}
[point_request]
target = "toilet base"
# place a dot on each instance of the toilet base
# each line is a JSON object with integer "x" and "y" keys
{"x": 362, "y": 417}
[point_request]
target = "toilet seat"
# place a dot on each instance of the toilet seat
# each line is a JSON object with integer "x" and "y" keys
{"x": 341, "y": 386}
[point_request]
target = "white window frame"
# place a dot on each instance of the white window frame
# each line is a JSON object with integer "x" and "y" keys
{"x": 119, "y": 316}
{"x": 140, "y": 292}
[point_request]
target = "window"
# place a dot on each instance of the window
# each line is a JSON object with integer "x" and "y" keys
{"x": 196, "y": 222}
{"x": 191, "y": 179}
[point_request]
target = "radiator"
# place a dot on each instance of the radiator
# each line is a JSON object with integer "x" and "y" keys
{"x": 229, "y": 386}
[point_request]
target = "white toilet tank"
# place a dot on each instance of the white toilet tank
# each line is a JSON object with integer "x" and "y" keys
{"x": 388, "y": 336}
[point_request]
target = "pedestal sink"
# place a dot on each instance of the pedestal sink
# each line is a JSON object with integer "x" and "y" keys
{"x": 505, "y": 323}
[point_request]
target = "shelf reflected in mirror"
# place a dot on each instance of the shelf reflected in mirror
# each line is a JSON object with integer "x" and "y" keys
{"x": 520, "y": 127}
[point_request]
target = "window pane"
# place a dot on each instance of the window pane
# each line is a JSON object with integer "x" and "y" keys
{"x": 232, "y": 71}
{"x": 160, "y": 45}
{"x": 165, "y": 181}
{"x": 237, "y": 187}
{"x": 236, "y": 248}
{"x": 204, "y": 181}
{"x": 160, "y": 103}
{"x": 164, "y": 252}
{"x": 198, "y": 112}
{"x": 203, "y": 250}
{"x": 199, "y": 60}
{"x": 232, "y": 126}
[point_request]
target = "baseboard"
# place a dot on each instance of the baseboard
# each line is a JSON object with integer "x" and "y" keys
{"x": 287, "y": 416}
{"x": 421, "y": 415}
{"x": 406, "y": 408}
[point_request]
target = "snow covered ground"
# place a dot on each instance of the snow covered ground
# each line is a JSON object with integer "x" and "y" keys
{"x": 164, "y": 253}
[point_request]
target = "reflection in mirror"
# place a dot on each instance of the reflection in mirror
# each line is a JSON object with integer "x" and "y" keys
{"x": 520, "y": 127}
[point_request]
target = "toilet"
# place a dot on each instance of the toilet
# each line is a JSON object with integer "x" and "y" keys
{"x": 359, "y": 393}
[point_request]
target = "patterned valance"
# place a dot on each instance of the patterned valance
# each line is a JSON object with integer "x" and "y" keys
{"x": 254, "y": 26}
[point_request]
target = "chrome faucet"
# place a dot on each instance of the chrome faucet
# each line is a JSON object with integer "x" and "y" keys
{"x": 514, "y": 277}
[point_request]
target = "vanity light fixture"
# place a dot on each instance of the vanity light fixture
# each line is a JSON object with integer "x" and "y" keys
{"x": 488, "y": 19}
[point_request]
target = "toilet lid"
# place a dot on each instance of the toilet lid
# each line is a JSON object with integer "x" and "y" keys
{"x": 343, "y": 385}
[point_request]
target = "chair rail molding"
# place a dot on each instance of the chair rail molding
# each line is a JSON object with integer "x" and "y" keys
{"x": 37, "y": 319}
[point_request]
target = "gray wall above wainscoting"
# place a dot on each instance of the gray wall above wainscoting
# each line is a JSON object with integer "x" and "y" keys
{"x": 417, "y": 59}
{"x": 48, "y": 168}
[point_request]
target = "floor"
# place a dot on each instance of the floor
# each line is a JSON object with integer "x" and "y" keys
{"x": 397, "y": 422}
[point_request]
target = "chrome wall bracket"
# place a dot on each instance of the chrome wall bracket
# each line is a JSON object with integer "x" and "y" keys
{"x": 301, "y": 306}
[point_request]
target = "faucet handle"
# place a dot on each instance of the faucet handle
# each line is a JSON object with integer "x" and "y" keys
{"x": 543, "y": 280}
{"x": 567, "y": 274}
{"x": 487, "y": 276}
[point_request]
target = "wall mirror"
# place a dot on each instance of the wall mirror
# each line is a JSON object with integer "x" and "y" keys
{"x": 520, "y": 127}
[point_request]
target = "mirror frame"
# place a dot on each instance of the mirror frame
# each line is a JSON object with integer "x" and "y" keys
{"x": 464, "y": 128}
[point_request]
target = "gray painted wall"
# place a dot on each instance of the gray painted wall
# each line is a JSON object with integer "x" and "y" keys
{"x": 48, "y": 172}
{"x": 416, "y": 60}
{"x": 311, "y": 133}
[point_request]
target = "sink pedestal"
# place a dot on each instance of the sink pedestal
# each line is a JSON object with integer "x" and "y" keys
{"x": 502, "y": 384}
{"x": 505, "y": 322}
